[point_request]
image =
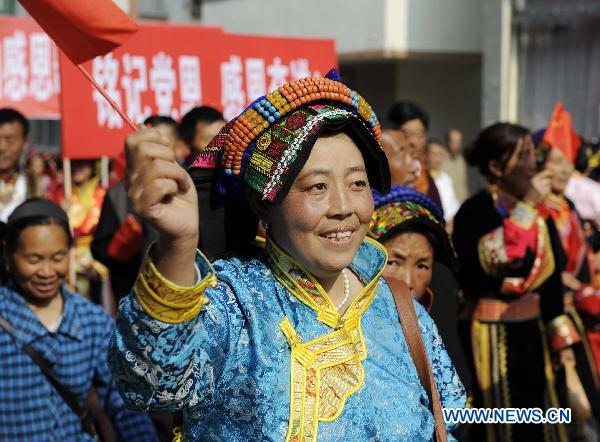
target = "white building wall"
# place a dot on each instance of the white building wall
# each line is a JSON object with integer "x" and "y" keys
{"x": 443, "y": 26}
{"x": 500, "y": 70}
{"x": 396, "y": 26}
{"x": 356, "y": 25}
{"x": 359, "y": 26}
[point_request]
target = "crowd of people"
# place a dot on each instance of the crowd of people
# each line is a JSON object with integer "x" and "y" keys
{"x": 252, "y": 266}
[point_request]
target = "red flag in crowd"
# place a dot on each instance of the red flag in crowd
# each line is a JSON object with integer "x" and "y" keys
{"x": 82, "y": 29}
{"x": 560, "y": 133}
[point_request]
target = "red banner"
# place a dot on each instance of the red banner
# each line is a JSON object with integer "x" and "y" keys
{"x": 167, "y": 70}
{"x": 159, "y": 70}
{"x": 29, "y": 76}
{"x": 250, "y": 66}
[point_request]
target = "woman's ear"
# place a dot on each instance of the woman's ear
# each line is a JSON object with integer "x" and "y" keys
{"x": 258, "y": 206}
{"x": 495, "y": 168}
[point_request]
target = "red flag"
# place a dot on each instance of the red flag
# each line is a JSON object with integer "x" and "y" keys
{"x": 560, "y": 133}
{"x": 83, "y": 29}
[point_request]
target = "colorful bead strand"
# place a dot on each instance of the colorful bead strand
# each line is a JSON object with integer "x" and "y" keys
{"x": 266, "y": 111}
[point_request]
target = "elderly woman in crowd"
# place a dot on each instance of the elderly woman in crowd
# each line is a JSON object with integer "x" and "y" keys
{"x": 303, "y": 342}
{"x": 411, "y": 228}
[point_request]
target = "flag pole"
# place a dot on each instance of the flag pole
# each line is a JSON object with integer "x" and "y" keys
{"x": 68, "y": 195}
{"x": 67, "y": 178}
{"x": 114, "y": 105}
{"x": 104, "y": 171}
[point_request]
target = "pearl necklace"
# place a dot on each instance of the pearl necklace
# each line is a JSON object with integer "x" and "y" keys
{"x": 346, "y": 290}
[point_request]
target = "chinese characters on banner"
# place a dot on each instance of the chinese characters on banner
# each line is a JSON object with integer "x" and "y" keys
{"x": 131, "y": 77}
{"x": 163, "y": 69}
{"x": 29, "y": 74}
{"x": 168, "y": 69}
{"x": 259, "y": 77}
{"x": 251, "y": 66}
{"x": 160, "y": 70}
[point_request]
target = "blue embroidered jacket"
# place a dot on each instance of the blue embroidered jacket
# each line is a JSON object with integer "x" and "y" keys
{"x": 232, "y": 371}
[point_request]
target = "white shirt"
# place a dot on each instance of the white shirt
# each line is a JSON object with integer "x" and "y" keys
{"x": 18, "y": 196}
{"x": 445, "y": 187}
{"x": 585, "y": 194}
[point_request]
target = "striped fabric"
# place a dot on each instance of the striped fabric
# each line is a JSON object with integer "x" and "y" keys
{"x": 30, "y": 408}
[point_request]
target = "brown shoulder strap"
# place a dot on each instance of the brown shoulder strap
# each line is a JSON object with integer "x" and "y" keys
{"x": 90, "y": 414}
{"x": 412, "y": 334}
{"x": 106, "y": 430}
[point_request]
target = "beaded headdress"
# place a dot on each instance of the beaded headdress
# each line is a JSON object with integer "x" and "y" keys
{"x": 269, "y": 142}
{"x": 403, "y": 207}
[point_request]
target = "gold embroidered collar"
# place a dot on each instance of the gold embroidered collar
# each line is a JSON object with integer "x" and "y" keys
{"x": 327, "y": 370}
{"x": 307, "y": 289}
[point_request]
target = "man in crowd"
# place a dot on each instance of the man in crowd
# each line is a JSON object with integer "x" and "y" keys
{"x": 121, "y": 236}
{"x": 404, "y": 141}
{"x": 219, "y": 234}
{"x": 412, "y": 120}
{"x": 197, "y": 128}
{"x": 404, "y": 169}
{"x": 455, "y": 164}
{"x": 436, "y": 154}
{"x": 167, "y": 126}
{"x": 14, "y": 128}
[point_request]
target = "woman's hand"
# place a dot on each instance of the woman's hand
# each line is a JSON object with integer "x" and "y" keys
{"x": 570, "y": 281}
{"x": 163, "y": 194}
{"x": 65, "y": 204}
{"x": 540, "y": 188}
{"x": 567, "y": 356}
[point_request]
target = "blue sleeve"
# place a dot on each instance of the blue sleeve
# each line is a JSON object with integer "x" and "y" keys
{"x": 130, "y": 425}
{"x": 451, "y": 390}
{"x": 173, "y": 366}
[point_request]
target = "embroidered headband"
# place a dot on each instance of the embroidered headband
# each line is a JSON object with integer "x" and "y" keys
{"x": 403, "y": 207}
{"x": 269, "y": 142}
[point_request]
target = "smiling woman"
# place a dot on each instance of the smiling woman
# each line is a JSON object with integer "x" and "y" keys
{"x": 36, "y": 251}
{"x": 302, "y": 342}
{"x": 326, "y": 213}
{"x": 40, "y": 316}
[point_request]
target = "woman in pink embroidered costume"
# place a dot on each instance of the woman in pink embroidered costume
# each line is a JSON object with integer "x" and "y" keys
{"x": 302, "y": 342}
{"x": 512, "y": 284}
{"x": 577, "y": 264}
